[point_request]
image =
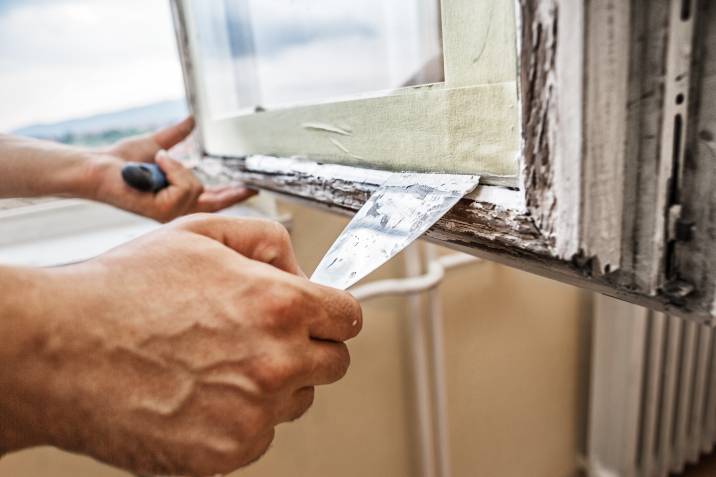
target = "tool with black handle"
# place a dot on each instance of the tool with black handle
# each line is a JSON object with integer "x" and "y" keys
{"x": 144, "y": 177}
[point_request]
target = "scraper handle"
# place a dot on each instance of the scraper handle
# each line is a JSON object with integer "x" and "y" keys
{"x": 144, "y": 177}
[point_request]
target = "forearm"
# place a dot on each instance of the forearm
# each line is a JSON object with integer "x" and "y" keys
{"x": 24, "y": 333}
{"x": 33, "y": 168}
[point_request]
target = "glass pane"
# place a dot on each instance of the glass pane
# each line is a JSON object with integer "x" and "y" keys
{"x": 267, "y": 54}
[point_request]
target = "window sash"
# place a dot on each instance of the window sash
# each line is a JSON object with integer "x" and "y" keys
{"x": 469, "y": 124}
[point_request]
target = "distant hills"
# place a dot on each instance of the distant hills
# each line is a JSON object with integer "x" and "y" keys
{"x": 94, "y": 129}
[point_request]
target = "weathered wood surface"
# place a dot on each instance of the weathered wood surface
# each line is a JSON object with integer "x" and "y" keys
{"x": 645, "y": 186}
{"x": 494, "y": 216}
{"x": 608, "y": 29}
{"x": 538, "y": 46}
{"x": 591, "y": 208}
{"x": 695, "y": 256}
{"x": 491, "y": 223}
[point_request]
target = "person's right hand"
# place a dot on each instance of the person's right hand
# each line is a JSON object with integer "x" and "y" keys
{"x": 179, "y": 353}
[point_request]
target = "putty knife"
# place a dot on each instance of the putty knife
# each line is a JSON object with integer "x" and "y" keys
{"x": 396, "y": 215}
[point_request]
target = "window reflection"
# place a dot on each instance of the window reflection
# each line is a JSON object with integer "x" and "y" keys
{"x": 266, "y": 54}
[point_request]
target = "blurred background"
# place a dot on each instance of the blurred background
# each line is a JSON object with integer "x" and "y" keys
{"x": 88, "y": 72}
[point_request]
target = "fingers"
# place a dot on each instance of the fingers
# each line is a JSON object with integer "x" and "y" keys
{"x": 260, "y": 446}
{"x": 342, "y": 318}
{"x": 329, "y": 362}
{"x": 214, "y": 200}
{"x": 261, "y": 240}
{"x": 297, "y": 405}
{"x": 186, "y": 195}
{"x": 183, "y": 192}
{"x": 145, "y": 147}
{"x": 171, "y": 136}
{"x": 177, "y": 174}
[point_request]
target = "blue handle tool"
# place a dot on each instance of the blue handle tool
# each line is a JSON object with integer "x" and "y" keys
{"x": 144, "y": 177}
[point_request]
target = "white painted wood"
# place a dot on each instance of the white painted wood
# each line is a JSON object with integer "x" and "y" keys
{"x": 65, "y": 232}
{"x": 695, "y": 260}
{"x": 72, "y": 231}
{"x": 607, "y": 93}
{"x": 675, "y": 129}
{"x": 569, "y": 138}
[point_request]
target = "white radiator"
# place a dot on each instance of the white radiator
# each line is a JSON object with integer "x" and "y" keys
{"x": 653, "y": 392}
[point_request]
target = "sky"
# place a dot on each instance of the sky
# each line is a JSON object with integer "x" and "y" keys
{"x": 62, "y": 59}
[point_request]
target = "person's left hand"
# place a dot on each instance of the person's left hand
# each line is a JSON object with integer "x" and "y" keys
{"x": 185, "y": 194}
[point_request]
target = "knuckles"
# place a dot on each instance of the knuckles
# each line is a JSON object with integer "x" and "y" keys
{"x": 256, "y": 421}
{"x": 341, "y": 362}
{"x": 274, "y": 376}
{"x": 285, "y": 307}
{"x": 197, "y": 189}
{"x": 275, "y": 245}
{"x": 305, "y": 398}
{"x": 227, "y": 458}
{"x": 280, "y": 235}
{"x": 164, "y": 214}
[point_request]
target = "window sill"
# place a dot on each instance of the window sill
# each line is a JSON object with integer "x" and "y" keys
{"x": 70, "y": 231}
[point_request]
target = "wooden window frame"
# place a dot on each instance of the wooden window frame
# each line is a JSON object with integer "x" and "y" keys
{"x": 601, "y": 157}
{"x": 468, "y": 123}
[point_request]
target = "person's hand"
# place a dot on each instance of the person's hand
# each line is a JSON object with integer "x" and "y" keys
{"x": 185, "y": 195}
{"x": 179, "y": 353}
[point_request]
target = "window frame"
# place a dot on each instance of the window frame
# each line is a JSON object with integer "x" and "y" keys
{"x": 593, "y": 204}
{"x": 467, "y": 124}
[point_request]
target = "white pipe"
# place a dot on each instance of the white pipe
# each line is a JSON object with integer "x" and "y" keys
{"x": 415, "y": 284}
{"x": 431, "y": 401}
{"x": 421, "y": 372}
{"x": 440, "y": 398}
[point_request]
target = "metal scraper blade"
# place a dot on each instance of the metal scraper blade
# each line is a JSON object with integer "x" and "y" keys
{"x": 396, "y": 215}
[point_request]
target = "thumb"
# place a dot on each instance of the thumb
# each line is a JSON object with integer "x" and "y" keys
{"x": 165, "y": 159}
{"x": 260, "y": 240}
{"x": 175, "y": 171}
{"x": 171, "y": 136}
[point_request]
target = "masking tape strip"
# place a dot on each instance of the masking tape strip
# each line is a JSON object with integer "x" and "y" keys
{"x": 465, "y": 130}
